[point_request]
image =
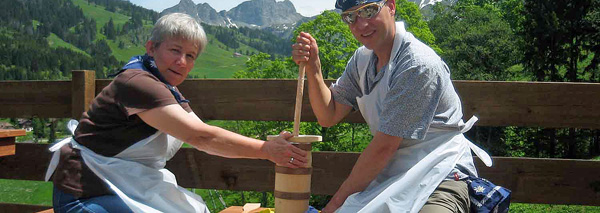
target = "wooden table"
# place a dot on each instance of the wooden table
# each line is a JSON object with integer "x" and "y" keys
{"x": 7, "y": 140}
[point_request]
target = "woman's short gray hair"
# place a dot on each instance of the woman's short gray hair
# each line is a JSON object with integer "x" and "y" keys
{"x": 178, "y": 25}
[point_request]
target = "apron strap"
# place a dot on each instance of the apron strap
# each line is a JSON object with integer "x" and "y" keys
{"x": 467, "y": 126}
{"x": 72, "y": 125}
{"x": 483, "y": 156}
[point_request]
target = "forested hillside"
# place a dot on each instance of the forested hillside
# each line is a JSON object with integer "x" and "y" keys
{"x": 40, "y": 43}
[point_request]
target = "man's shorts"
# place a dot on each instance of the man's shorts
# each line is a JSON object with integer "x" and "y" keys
{"x": 449, "y": 196}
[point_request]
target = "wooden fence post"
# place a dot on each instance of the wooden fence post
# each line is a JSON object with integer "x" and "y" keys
{"x": 83, "y": 90}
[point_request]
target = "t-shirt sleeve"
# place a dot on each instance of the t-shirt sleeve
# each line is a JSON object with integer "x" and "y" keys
{"x": 411, "y": 103}
{"x": 346, "y": 88}
{"x": 141, "y": 92}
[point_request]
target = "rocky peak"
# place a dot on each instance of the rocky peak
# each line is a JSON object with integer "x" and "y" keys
{"x": 184, "y": 6}
{"x": 264, "y": 13}
{"x": 253, "y": 13}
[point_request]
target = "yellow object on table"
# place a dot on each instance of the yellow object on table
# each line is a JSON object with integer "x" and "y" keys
{"x": 239, "y": 209}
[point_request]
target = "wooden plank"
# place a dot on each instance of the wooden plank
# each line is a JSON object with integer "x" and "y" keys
{"x": 83, "y": 91}
{"x": 536, "y": 104}
{"x": 256, "y": 99}
{"x": 553, "y": 105}
{"x": 11, "y": 208}
{"x": 100, "y": 84}
{"x": 7, "y": 146}
{"x": 7, "y": 140}
{"x": 542, "y": 104}
{"x": 29, "y": 162}
{"x": 550, "y": 181}
{"x": 5, "y": 133}
{"x": 44, "y": 99}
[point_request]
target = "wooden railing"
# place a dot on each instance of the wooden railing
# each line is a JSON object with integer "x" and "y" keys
{"x": 546, "y": 181}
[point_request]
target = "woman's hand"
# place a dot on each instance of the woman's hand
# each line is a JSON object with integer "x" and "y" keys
{"x": 283, "y": 153}
{"x": 306, "y": 50}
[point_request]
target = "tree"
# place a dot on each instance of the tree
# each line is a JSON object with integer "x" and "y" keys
{"x": 561, "y": 35}
{"x": 477, "y": 43}
{"x": 39, "y": 128}
{"x": 109, "y": 30}
{"x": 336, "y": 42}
{"x": 413, "y": 19}
{"x": 260, "y": 66}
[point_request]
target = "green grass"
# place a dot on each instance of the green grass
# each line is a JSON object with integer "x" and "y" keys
{"x": 101, "y": 15}
{"x": 522, "y": 207}
{"x": 26, "y": 192}
{"x": 216, "y": 62}
{"x": 126, "y": 53}
{"x": 35, "y": 23}
{"x": 54, "y": 41}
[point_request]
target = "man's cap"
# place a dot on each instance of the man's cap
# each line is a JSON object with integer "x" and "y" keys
{"x": 347, "y": 4}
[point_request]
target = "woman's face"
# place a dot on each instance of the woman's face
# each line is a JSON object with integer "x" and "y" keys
{"x": 174, "y": 58}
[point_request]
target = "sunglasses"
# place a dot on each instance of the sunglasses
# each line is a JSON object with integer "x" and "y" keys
{"x": 367, "y": 11}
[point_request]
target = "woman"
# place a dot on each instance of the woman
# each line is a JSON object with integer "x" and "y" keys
{"x": 115, "y": 161}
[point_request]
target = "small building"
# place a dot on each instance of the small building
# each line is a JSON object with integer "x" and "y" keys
{"x": 6, "y": 125}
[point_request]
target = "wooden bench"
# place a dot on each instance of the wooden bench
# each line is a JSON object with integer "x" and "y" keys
{"x": 528, "y": 104}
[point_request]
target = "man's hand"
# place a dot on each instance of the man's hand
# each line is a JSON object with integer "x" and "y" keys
{"x": 331, "y": 206}
{"x": 306, "y": 50}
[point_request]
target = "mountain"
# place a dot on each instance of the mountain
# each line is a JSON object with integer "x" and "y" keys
{"x": 202, "y": 12}
{"x": 426, "y": 6}
{"x": 264, "y": 13}
{"x": 253, "y": 13}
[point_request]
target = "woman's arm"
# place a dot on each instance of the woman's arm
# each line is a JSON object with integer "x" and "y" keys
{"x": 175, "y": 121}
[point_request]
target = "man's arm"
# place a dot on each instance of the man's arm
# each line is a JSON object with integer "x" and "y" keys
{"x": 327, "y": 111}
{"x": 370, "y": 163}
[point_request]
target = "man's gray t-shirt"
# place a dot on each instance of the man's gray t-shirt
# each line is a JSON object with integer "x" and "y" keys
{"x": 420, "y": 96}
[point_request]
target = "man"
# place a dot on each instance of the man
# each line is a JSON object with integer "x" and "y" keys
{"x": 418, "y": 159}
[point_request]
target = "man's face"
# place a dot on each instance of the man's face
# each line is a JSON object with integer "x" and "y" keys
{"x": 377, "y": 32}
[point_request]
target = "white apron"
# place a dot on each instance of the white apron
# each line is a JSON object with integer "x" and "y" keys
{"x": 137, "y": 174}
{"x": 418, "y": 167}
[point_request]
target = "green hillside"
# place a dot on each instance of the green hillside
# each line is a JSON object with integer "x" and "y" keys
{"x": 100, "y": 14}
{"x": 54, "y": 42}
{"x": 217, "y": 61}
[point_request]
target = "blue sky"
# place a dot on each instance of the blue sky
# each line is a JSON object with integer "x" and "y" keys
{"x": 304, "y": 7}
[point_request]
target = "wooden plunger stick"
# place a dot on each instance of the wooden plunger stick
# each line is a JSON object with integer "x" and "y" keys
{"x": 299, "y": 94}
